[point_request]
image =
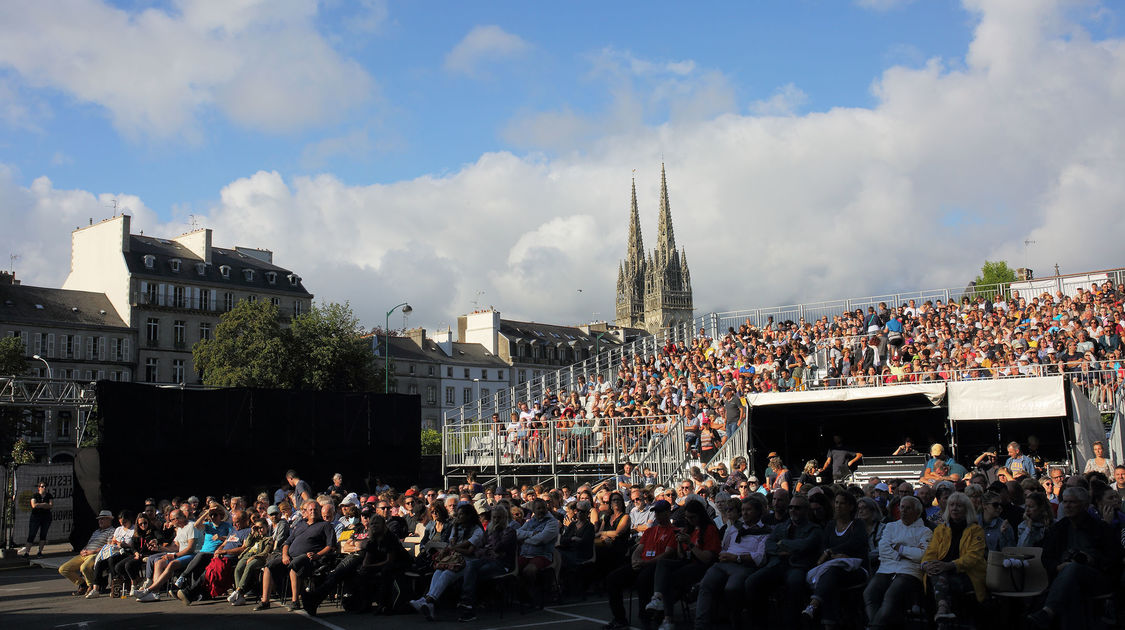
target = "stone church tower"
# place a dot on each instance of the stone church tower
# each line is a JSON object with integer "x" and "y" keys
{"x": 654, "y": 292}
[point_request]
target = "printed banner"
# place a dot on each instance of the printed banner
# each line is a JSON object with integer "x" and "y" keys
{"x": 60, "y": 483}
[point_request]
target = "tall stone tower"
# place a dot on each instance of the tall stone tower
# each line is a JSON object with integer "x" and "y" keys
{"x": 662, "y": 280}
{"x": 631, "y": 274}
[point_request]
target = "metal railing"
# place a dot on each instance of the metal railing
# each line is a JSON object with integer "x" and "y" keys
{"x": 737, "y": 443}
{"x": 605, "y": 363}
{"x": 665, "y": 458}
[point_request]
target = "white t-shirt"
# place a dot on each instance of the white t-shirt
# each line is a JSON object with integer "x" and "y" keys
{"x": 185, "y": 535}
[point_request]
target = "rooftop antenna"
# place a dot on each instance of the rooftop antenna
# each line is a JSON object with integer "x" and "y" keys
{"x": 476, "y": 299}
{"x": 12, "y": 258}
{"x": 114, "y": 206}
{"x": 193, "y": 222}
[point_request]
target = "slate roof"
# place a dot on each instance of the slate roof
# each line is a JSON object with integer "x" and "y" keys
{"x": 549, "y": 333}
{"x": 165, "y": 250}
{"x": 43, "y": 306}
{"x": 474, "y": 354}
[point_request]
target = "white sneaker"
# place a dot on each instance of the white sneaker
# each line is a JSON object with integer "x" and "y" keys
{"x": 239, "y": 601}
{"x": 428, "y": 610}
{"x": 233, "y": 596}
{"x": 148, "y": 596}
{"x": 418, "y": 604}
{"x": 93, "y": 593}
{"x": 147, "y": 583}
{"x": 132, "y": 591}
{"x": 667, "y": 624}
{"x": 656, "y": 604}
{"x": 26, "y": 551}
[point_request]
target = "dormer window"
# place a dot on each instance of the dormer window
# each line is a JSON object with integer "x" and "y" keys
{"x": 294, "y": 279}
{"x": 248, "y": 274}
{"x": 150, "y": 261}
{"x": 201, "y": 268}
{"x": 271, "y": 277}
{"x": 224, "y": 271}
{"x": 175, "y": 264}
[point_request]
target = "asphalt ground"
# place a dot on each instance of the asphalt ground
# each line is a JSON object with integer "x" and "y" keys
{"x": 38, "y": 598}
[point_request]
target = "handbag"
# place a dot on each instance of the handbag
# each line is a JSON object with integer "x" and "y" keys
{"x": 449, "y": 559}
{"x": 1015, "y": 570}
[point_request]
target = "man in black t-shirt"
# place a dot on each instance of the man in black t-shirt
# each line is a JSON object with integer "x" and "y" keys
{"x": 40, "y": 520}
{"x": 309, "y": 541}
{"x": 840, "y": 459}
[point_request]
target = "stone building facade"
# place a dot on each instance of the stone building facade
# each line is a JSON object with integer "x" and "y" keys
{"x": 653, "y": 292}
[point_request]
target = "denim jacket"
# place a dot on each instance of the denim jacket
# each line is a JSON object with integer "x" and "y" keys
{"x": 538, "y": 537}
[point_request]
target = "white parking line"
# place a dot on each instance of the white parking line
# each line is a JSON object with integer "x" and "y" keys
{"x": 582, "y": 617}
{"x": 330, "y": 626}
{"x": 536, "y": 624}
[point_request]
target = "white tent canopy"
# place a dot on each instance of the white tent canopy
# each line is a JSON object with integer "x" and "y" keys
{"x": 934, "y": 391}
{"x": 1007, "y": 399}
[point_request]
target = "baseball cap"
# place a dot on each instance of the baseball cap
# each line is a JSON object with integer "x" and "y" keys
{"x": 753, "y": 479}
{"x": 273, "y": 509}
{"x": 351, "y": 499}
{"x": 882, "y": 486}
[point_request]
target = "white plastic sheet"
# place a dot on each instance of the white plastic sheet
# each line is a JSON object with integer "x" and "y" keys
{"x": 1007, "y": 399}
{"x": 60, "y": 483}
{"x": 934, "y": 391}
{"x": 1088, "y": 427}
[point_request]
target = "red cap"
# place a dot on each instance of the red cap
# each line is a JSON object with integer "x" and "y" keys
{"x": 410, "y": 492}
{"x": 372, "y": 499}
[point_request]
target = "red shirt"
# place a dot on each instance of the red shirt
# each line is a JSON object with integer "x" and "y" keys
{"x": 656, "y": 540}
{"x": 711, "y": 541}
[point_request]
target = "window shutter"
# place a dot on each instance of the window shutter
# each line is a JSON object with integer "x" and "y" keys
{"x": 89, "y": 348}
{"x": 39, "y": 343}
{"x": 101, "y": 375}
{"x": 76, "y": 349}
{"x": 144, "y": 292}
{"x": 125, "y": 350}
{"x": 101, "y": 350}
{"x": 162, "y": 291}
{"x": 50, "y": 344}
{"x": 23, "y": 338}
{"x": 213, "y": 295}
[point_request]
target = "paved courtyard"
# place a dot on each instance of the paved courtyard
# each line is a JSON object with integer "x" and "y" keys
{"x": 38, "y": 598}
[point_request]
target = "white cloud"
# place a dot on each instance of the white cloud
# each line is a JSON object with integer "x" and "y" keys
{"x": 1022, "y": 140}
{"x": 785, "y": 101}
{"x": 483, "y": 44}
{"x": 159, "y": 73}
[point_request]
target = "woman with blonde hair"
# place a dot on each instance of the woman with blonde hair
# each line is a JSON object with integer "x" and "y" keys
{"x": 955, "y": 560}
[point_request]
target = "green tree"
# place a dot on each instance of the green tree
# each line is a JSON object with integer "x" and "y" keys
{"x": 431, "y": 442}
{"x": 248, "y": 349}
{"x": 329, "y": 351}
{"x": 12, "y": 361}
{"x": 992, "y": 275}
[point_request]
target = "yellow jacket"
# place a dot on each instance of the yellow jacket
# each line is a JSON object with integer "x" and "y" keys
{"x": 973, "y": 560}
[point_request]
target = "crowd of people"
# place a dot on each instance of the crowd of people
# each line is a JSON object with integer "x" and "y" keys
{"x": 720, "y": 539}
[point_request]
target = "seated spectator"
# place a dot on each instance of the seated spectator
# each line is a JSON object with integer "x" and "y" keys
{"x": 696, "y": 550}
{"x": 1099, "y": 462}
{"x": 955, "y": 560}
{"x": 743, "y": 550}
{"x": 1082, "y": 557}
{"x": 187, "y": 540}
{"x": 538, "y": 536}
{"x": 897, "y": 582}
{"x": 1037, "y": 517}
{"x": 309, "y": 542}
{"x": 997, "y": 532}
{"x": 792, "y": 549}
{"x": 576, "y": 542}
{"x": 611, "y": 540}
{"x": 112, "y": 554}
{"x": 465, "y": 538}
{"x": 80, "y": 569}
{"x": 218, "y": 577}
{"x": 215, "y": 528}
{"x": 657, "y": 542}
{"x": 842, "y": 564}
{"x": 251, "y": 559}
{"x": 131, "y": 570}
{"x": 496, "y": 557}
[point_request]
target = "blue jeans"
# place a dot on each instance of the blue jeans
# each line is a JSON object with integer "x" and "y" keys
{"x": 477, "y": 569}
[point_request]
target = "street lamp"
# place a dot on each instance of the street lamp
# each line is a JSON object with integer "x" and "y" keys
{"x": 36, "y": 356}
{"x": 47, "y": 418}
{"x": 387, "y": 335}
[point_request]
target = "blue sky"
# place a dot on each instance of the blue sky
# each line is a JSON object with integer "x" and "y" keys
{"x": 452, "y": 148}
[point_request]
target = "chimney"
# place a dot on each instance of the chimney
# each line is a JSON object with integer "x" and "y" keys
{"x": 1023, "y": 274}
{"x": 8, "y": 278}
{"x": 418, "y": 336}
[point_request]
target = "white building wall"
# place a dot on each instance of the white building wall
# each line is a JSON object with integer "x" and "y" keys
{"x": 97, "y": 263}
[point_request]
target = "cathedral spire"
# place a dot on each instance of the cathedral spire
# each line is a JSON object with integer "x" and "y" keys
{"x": 665, "y": 238}
{"x": 636, "y": 243}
